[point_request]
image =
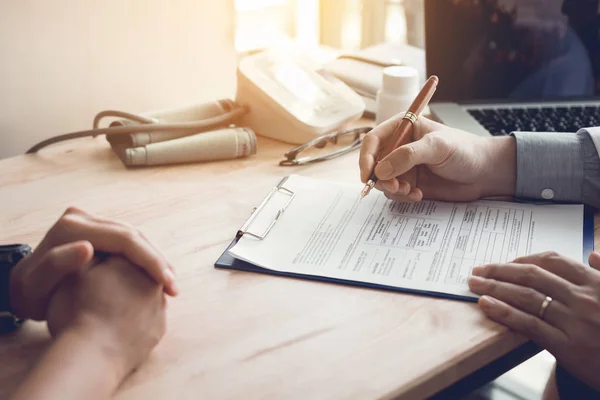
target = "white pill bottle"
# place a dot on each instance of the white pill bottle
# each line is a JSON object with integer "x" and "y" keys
{"x": 399, "y": 88}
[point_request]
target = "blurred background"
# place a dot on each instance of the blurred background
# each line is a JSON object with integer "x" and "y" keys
{"x": 64, "y": 61}
{"x": 342, "y": 24}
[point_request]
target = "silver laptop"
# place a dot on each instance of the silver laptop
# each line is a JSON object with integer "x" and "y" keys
{"x": 514, "y": 65}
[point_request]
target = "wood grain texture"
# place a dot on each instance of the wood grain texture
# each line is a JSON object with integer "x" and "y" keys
{"x": 236, "y": 334}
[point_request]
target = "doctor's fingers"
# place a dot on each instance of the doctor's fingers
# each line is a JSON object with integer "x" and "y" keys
{"x": 375, "y": 140}
{"x": 399, "y": 185}
{"x": 414, "y": 195}
{"x": 394, "y": 186}
{"x": 368, "y": 150}
{"x": 404, "y": 189}
{"x": 426, "y": 150}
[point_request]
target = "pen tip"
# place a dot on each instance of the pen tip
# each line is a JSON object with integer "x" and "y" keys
{"x": 367, "y": 188}
{"x": 365, "y": 192}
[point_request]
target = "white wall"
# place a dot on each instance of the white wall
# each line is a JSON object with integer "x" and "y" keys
{"x": 62, "y": 61}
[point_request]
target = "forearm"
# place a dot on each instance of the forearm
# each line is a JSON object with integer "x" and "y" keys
{"x": 75, "y": 367}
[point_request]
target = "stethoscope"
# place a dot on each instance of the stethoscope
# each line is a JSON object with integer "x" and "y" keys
{"x": 234, "y": 113}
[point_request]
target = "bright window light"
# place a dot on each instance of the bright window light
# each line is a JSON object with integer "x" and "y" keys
{"x": 252, "y": 5}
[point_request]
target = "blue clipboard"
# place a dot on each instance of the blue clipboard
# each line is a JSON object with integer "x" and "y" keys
{"x": 227, "y": 261}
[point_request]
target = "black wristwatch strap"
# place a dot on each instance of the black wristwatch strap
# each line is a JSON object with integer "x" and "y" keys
{"x": 10, "y": 255}
{"x": 9, "y": 323}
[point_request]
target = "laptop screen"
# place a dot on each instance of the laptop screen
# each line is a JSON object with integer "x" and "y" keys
{"x": 513, "y": 49}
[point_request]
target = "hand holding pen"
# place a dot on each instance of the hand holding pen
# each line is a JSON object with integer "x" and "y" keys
{"x": 437, "y": 162}
{"x": 404, "y": 128}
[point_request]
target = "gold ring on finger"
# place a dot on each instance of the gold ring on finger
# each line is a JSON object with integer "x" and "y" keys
{"x": 544, "y": 307}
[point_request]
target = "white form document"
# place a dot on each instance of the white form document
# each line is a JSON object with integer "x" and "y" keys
{"x": 326, "y": 230}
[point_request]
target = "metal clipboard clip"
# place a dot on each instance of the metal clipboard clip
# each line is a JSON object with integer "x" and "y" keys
{"x": 244, "y": 230}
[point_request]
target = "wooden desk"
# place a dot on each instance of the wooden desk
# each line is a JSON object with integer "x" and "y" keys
{"x": 235, "y": 334}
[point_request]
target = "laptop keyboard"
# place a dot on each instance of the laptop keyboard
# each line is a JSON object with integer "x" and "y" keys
{"x": 503, "y": 121}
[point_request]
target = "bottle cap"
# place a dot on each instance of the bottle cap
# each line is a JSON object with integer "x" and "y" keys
{"x": 400, "y": 80}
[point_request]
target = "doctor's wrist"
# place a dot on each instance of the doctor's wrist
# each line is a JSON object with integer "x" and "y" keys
{"x": 501, "y": 169}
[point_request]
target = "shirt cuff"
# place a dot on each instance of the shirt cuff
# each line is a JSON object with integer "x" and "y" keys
{"x": 551, "y": 166}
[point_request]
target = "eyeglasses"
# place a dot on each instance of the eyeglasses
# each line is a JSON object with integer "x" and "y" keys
{"x": 342, "y": 142}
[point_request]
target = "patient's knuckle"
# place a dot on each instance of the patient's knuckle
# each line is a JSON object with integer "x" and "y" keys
{"x": 125, "y": 225}
{"x": 129, "y": 234}
{"x": 51, "y": 259}
{"x": 73, "y": 210}
{"x": 68, "y": 222}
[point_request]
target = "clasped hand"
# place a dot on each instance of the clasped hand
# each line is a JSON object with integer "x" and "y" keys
{"x": 98, "y": 280}
{"x": 71, "y": 246}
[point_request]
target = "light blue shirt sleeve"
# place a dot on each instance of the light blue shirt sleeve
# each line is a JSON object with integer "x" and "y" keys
{"x": 560, "y": 167}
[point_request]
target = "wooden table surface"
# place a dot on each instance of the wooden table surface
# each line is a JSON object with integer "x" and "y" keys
{"x": 236, "y": 334}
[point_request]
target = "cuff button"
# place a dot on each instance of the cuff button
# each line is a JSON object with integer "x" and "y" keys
{"x": 547, "y": 194}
